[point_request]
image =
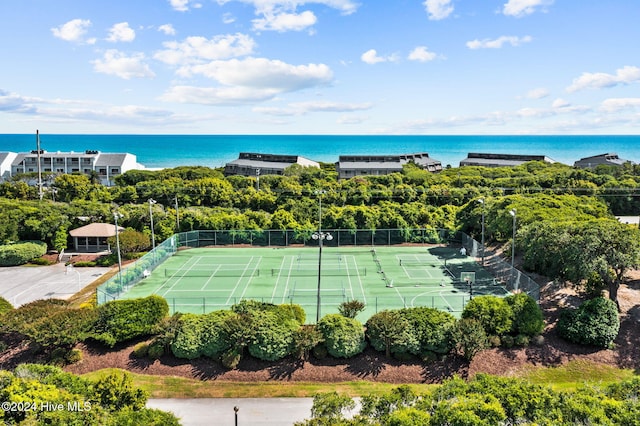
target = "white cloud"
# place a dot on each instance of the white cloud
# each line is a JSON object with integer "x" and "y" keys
{"x": 265, "y": 73}
{"x": 519, "y": 8}
{"x": 352, "y": 119}
{"x": 560, "y": 103}
{"x": 537, "y": 93}
{"x": 618, "y": 104}
{"x": 281, "y": 15}
{"x": 184, "y": 5}
{"x": 325, "y": 106}
{"x": 73, "y": 30}
{"x": 167, "y": 29}
{"x": 345, "y": 6}
{"x": 228, "y": 18}
{"x": 371, "y": 57}
{"x": 249, "y": 80}
{"x": 198, "y": 49}
{"x": 117, "y": 63}
{"x": 623, "y": 76}
{"x": 121, "y": 32}
{"x": 301, "y": 108}
{"x": 438, "y": 9}
{"x": 498, "y": 42}
{"x": 285, "y": 21}
{"x": 421, "y": 54}
{"x": 217, "y": 95}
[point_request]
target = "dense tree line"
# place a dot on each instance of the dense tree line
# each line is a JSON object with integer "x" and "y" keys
{"x": 484, "y": 401}
{"x": 205, "y": 199}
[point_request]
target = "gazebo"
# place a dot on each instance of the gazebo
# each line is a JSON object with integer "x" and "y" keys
{"x": 92, "y": 238}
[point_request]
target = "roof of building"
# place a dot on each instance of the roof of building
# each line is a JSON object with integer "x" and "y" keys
{"x": 607, "y": 158}
{"x": 481, "y": 159}
{"x": 96, "y": 230}
{"x": 384, "y": 161}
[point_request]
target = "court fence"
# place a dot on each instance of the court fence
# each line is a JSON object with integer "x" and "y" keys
{"x": 129, "y": 276}
{"x": 514, "y": 280}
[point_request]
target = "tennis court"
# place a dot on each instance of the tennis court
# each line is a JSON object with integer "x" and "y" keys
{"x": 200, "y": 280}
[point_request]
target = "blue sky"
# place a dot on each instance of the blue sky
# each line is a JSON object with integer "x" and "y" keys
{"x": 320, "y": 66}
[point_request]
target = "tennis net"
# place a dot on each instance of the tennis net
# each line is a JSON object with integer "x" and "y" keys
{"x": 344, "y": 272}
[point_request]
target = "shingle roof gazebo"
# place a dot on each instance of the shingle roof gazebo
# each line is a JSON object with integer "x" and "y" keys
{"x": 92, "y": 238}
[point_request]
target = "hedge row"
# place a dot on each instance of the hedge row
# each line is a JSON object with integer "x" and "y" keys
{"x": 21, "y": 253}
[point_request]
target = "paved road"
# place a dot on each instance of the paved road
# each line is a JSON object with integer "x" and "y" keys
{"x": 251, "y": 411}
{"x": 24, "y": 284}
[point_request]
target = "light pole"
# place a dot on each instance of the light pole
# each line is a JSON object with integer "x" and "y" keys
{"x": 512, "y": 212}
{"x": 481, "y": 201}
{"x": 153, "y": 234}
{"x": 320, "y": 236}
{"x": 235, "y": 411}
{"x": 116, "y": 216}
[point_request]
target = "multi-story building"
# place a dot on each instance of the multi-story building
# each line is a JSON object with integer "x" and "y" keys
{"x": 106, "y": 165}
{"x": 253, "y": 164}
{"x": 609, "y": 159}
{"x": 349, "y": 166}
{"x": 501, "y": 160}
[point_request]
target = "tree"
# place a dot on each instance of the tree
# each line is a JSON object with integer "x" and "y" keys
{"x": 387, "y": 330}
{"x": 606, "y": 247}
{"x": 131, "y": 241}
{"x": 351, "y": 308}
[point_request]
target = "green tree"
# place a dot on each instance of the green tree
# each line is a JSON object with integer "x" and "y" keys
{"x": 389, "y": 330}
{"x": 131, "y": 241}
{"x": 344, "y": 337}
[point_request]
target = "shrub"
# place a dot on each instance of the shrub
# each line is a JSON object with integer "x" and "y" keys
{"x": 115, "y": 392}
{"x": 494, "y": 314}
{"x": 273, "y": 338}
{"x": 156, "y": 350}
{"x": 215, "y": 340}
{"x": 344, "y": 337}
{"x": 85, "y": 264}
{"x": 41, "y": 261}
{"x": 595, "y": 322}
{"x": 305, "y": 339}
{"x": 140, "y": 350}
{"x": 21, "y": 253}
{"x": 230, "y": 359}
{"x": 121, "y": 320}
{"x": 187, "y": 342}
{"x": 5, "y": 306}
{"x": 351, "y": 308}
{"x": 521, "y": 340}
{"x": 74, "y": 356}
{"x": 432, "y": 328}
{"x": 390, "y": 332}
{"x": 527, "y": 315}
{"x": 469, "y": 337}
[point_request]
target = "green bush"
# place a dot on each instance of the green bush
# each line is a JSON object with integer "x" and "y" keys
{"x": 230, "y": 359}
{"x": 140, "y": 350}
{"x": 41, "y": 261}
{"x": 5, "y": 305}
{"x": 187, "y": 342}
{"x": 74, "y": 356}
{"x": 527, "y": 315}
{"x": 432, "y": 328}
{"x": 390, "y": 332}
{"x": 85, "y": 264}
{"x": 156, "y": 350}
{"x": 121, "y": 320}
{"x": 595, "y": 322}
{"x": 494, "y": 314}
{"x": 469, "y": 337}
{"x": 21, "y": 253}
{"x": 215, "y": 341}
{"x": 344, "y": 337}
{"x": 273, "y": 337}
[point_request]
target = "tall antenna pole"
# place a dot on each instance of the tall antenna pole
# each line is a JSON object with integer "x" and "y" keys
{"x": 39, "y": 165}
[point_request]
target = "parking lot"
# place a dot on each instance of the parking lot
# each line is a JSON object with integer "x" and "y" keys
{"x": 24, "y": 284}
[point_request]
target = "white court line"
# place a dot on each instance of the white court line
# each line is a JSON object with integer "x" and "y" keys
{"x": 286, "y": 286}
{"x": 246, "y": 286}
{"x": 275, "y": 287}
{"x": 178, "y": 278}
{"x": 210, "y": 278}
{"x": 240, "y": 279}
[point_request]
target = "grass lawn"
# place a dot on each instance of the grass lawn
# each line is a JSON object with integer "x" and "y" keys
{"x": 564, "y": 378}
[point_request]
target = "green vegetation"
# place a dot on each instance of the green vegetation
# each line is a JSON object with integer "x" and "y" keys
{"x": 21, "y": 253}
{"x": 45, "y": 395}
{"x": 595, "y": 322}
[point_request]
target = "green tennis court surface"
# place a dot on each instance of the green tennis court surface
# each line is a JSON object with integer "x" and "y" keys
{"x": 200, "y": 280}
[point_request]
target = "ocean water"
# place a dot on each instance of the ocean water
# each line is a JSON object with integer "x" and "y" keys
{"x": 157, "y": 151}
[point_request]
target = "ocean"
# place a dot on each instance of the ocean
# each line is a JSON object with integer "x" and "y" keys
{"x": 160, "y": 151}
